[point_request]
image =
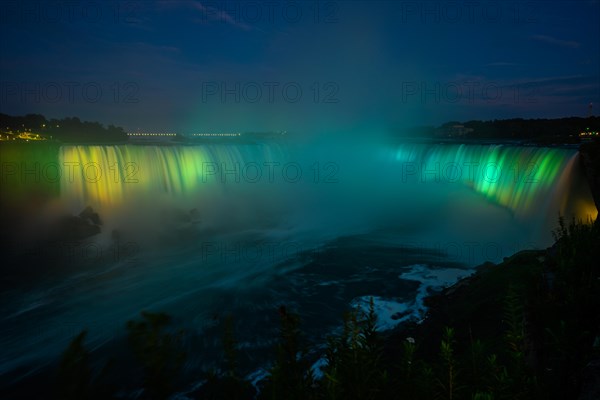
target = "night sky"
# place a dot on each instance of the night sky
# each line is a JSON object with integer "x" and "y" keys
{"x": 302, "y": 66}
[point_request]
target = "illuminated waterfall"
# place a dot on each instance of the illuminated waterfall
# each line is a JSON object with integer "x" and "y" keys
{"x": 180, "y": 237}
{"x": 522, "y": 179}
{"x": 108, "y": 176}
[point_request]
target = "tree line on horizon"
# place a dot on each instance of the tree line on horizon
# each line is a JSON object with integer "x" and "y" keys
{"x": 70, "y": 129}
{"x": 513, "y": 128}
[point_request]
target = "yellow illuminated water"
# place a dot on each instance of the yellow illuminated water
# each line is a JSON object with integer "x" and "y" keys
{"x": 524, "y": 180}
{"x": 108, "y": 176}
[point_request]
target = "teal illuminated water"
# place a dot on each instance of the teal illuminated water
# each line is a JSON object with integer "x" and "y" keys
{"x": 203, "y": 231}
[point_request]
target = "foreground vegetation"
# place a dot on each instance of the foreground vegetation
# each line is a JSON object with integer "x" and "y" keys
{"x": 523, "y": 329}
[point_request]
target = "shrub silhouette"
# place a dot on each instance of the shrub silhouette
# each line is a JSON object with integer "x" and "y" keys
{"x": 158, "y": 351}
{"x": 291, "y": 377}
{"x": 547, "y": 341}
{"x": 230, "y": 386}
{"x": 75, "y": 379}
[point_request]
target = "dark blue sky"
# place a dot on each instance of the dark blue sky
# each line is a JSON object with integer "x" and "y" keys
{"x": 308, "y": 66}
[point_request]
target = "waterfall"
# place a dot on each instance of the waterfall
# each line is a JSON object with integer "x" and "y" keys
{"x": 410, "y": 180}
{"x": 209, "y": 228}
{"x": 522, "y": 179}
{"x": 108, "y": 175}
{"x": 246, "y": 186}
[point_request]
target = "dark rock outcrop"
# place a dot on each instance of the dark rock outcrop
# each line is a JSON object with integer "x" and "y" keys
{"x": 89, "y": 214}
{"x": 590, "y": 159}
{"x": 78, "y": 227}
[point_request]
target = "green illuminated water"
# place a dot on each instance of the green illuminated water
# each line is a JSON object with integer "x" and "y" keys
{"x": 522, "y": 179}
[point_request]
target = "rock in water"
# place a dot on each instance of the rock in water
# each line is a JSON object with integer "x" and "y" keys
{"x": 76, "y": 228}
{"x": 89, "y": 214}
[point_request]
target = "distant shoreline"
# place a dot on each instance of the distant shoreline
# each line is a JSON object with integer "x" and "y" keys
{"x": 236, "y": 141}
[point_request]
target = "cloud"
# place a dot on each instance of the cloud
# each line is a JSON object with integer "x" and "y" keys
{"x": 211, "y": 13}
{"x": 557, "y": 42}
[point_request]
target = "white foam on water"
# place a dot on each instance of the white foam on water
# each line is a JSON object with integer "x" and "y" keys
{"x": 317, "y": 368}
{"x": 391, "y": 312}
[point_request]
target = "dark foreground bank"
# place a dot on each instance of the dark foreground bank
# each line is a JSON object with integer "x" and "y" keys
{"x": 527, "y": 328}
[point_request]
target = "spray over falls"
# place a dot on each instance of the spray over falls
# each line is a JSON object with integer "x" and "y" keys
{"x": 524, "y": 180}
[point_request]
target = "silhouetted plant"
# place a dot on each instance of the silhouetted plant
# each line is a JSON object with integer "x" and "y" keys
{"x": 513, "y": 319}
{"x": 75, "y": 378}
{"x": 478, "y": 368}
{"x": 483, "y": 396}
{"x": 230, "y": 348}
{"x": 447, "y": 382}
{"x": 354, "y": 369}
{"x": 74, "y": 375}
{"x": 158, "y": 351}
{"x": 406, "y": 385}
{"x": 426, "y": 381}
{"x": 291, "y": 376}
{"x": 575, "y": 322}
{"x": 514, "y": 336}
{"x": 230, "y": 386}
{"x": 498, "y": 380}
{"x": 407, "y": 359}
{"x": 226, "y": 388}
